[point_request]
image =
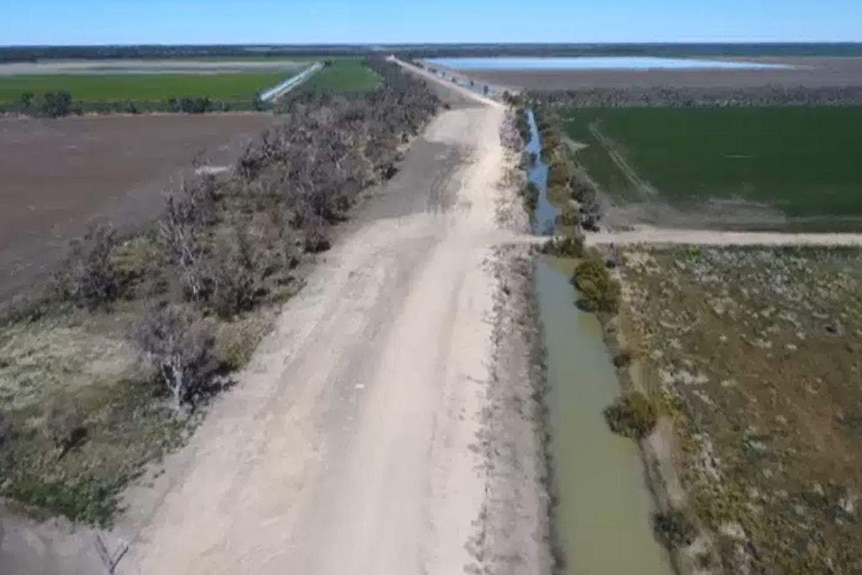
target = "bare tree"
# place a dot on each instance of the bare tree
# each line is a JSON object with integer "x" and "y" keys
{"x": 179, "y": 346}
{"x": 189, "y": 210}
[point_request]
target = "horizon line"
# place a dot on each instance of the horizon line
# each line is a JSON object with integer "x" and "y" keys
{"x": 419, "y": 44}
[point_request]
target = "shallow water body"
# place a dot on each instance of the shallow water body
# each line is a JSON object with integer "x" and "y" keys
{"x": 602, "y": 517}
{"x": 601, "y": 63}
{"x": 546, "y": 214}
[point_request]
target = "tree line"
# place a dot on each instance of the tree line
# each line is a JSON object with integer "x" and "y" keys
{"x": 225, "y": 244}
{"x": 60, "y": 103}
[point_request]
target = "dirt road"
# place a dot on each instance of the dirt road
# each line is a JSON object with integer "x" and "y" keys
{"x": 649, "y": 235}
{"x": 353, "y": 443}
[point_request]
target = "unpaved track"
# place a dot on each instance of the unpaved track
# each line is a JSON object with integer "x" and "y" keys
{"x": 351, "y": 444}
{"x": 649, "y": 235}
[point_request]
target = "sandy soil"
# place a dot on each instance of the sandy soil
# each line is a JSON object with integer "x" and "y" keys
{"x": 61, "y": 175}
{"x": 354, "y": 442}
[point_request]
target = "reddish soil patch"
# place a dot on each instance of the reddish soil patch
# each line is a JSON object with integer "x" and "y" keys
{"x": 60, "y": 176}
{"x": 811, "y": 72}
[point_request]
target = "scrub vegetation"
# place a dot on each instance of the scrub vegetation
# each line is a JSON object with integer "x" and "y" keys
{"x": 756, "y": 355}
{"x": 111, "y": 365}
{"x": 570, "y": 188}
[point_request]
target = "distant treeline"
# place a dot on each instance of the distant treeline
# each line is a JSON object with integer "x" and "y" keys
{"x": 34, "y": 53}
{"x": 700, "y": 97}
{"x": 61, "y": 103}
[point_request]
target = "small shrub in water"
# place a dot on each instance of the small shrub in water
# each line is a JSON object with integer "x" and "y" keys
{"x": 567, "y": 247}
{"x": 598, "y": 290}
{"x": 530, "y": 194}
{"x": 632, "y": 415}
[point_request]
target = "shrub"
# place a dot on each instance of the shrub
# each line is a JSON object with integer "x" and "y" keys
{"x": 64, "y": 423}
{"x": 5, "y": 428}
{"x": 632, "y": 415}
{"x": 567, "y": 247}
{"x": 89, "y": 276}
{"x": 179, "y": 346}
{"x": 570, "y": 216}
{"x": 530, "y": 193}
{"x": 623, "y": 358}
{"x": 560, "y": 173}
{"x": 598, "y": 290}
{"x": 316, "y": 238}
{"x": 673, "y": 529}
{"x": 234, "y": 276}
{"x": 57, "y": 104}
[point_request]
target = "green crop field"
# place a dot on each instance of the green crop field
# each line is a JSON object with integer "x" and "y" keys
{"x": 233, "y": 86}
{"x": 803, "y": 161}
{"x": 348, "y": 75}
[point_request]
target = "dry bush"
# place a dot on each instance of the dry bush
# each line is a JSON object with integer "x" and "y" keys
{"x": 88, "y": 276}
{"x": 632, "y": 415}
{"x": 64, "y": 423}
{"x": 330, "y": 148}
{"x": 234, "y": 275}
{"x": 179, "y": 346}
{"x": 189, "y": 210}
{"x": 315, "y": 236}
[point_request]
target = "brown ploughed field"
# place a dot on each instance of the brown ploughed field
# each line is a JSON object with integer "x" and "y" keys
{"x": 60, "y": 176}
{"x": 809, "y": 72}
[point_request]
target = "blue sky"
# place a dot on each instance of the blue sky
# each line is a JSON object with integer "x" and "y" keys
{"x": 371, "y": 21}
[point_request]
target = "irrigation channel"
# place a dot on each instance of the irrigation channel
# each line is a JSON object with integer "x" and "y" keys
{"x": 602, "y": 516}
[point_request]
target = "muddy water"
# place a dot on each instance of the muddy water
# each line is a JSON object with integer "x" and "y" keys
{"x": 545, "y": 214}
{"x": 603, "y": 512}
{"x": 602, "y": 518}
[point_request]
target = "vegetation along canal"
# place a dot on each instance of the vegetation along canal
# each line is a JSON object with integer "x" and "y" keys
{"x": 602, "y": 516}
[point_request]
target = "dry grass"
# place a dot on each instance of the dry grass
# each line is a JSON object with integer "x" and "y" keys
{"x": 758, "y": 355}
